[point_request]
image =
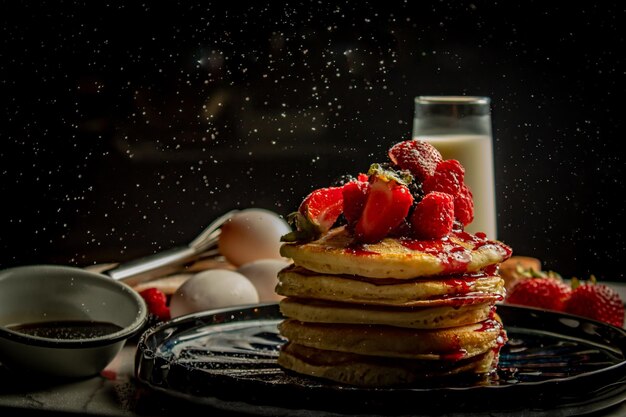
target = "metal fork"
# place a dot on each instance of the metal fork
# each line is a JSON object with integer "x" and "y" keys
{"x": 168, "y": 261}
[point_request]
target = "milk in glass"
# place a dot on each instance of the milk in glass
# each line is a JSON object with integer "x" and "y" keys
{"x": 460, "y": 128}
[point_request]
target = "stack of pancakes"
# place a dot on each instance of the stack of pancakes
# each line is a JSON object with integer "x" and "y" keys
{"x": 393, "y": 312}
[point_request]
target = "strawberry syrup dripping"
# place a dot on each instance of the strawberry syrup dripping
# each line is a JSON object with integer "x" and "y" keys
{"x": 487, "y": 325}
{"x": 453, "y": 356}
{"x": 480, "y": 239}
{"x": 454, "y": 257}
{"x": 464, "y": 283}
{"x": 459, "y": 300}
{"x": 461, "y": 285}
{"x": 491, "y": 270}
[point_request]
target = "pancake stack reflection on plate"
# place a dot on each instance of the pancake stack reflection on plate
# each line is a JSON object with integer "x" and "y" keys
{"x": 392, "y": 309}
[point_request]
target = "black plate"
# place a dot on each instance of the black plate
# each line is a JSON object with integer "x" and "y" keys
{"x": 553, "y": 365}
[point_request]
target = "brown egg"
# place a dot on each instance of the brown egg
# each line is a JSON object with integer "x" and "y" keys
{"x": 252, "y": 234}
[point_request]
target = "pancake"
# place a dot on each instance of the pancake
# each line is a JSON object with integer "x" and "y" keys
{"x": 372, "y": 371}
{"x": 316, "y": 311}
{"x": 296, "y": 281}
{"x": 336, "y": 253}
{"x": 416, "y": 303}
{"x": 444, "y": 344}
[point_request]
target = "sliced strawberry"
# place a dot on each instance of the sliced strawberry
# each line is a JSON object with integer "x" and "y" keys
{"x": 387, "y": 204}
{"x": 354, "y": 198}
{"x": 433, "y": 217}
{"x": 322, "y": 207}
{"x": 316, "y": 214}
{"x": 417, "y": 156}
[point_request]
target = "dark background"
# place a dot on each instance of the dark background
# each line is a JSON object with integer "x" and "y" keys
{"x": 128, "y": 127}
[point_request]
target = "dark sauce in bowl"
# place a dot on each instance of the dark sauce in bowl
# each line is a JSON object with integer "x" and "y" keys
{"x": 66, "y": 329}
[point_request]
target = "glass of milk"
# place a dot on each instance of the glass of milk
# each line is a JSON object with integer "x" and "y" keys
{"x": 460, "y": 128}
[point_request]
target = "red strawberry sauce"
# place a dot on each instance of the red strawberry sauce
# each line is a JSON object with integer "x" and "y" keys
{"x": 487, "y": 325}
{"x": 453, "y": 356}
{"x": 464, "y": 285}
{"x": 455, "y": 257}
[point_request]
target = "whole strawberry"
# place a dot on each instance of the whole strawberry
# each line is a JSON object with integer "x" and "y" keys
{"x": 156, "y": 301}
{"x": 544, "y": 292}
{"x": 596, "y": 301}
{"x": 417, "y": 156}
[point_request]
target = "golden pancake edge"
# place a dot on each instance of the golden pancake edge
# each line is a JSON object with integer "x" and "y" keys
{"x": 298, "y": 282}
{"x": 336, "y": 253}
{"x": 454, "y": 343}
{"x": 370, "y": 371}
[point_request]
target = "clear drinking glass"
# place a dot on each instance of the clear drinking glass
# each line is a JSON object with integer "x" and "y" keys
{"x": 460, "y": 128}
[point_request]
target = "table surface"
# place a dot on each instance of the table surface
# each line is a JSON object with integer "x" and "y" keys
{"x": 115, "y": 392}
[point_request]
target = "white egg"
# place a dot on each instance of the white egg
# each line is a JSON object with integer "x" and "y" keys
{"x": 263, "y": 273}
{"x": 252, "y": 234}
{"x": 215, "y": 288}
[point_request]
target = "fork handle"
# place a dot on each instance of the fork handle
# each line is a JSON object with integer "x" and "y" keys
{"x": 148, "y": 267}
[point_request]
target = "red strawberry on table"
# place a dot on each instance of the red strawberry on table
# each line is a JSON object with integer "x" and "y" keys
{"x": 417, "y": 156}
{"x": 387, "y": 204}
{"x": 541, "y": 292}
{"x": 156, "y": 301}
{"x": 596, "y": 301}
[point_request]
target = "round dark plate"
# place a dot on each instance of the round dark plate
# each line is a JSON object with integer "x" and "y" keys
{"x": 553, "y": 365}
